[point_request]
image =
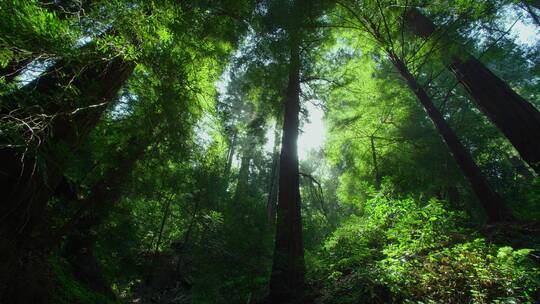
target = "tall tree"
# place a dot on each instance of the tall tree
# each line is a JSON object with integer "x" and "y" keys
{"x": 490, "y": 200}
{"x": 518, "y": 119}
{"x": 287, "y": 279}
{"x": 28, "y": 184}
{"x": 274, "y": 177}
{"x": 293, "y": 23}
{"x": 378, "y": 26}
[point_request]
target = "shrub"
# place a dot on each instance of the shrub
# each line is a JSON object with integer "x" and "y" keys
{"x": 405, "y": 251}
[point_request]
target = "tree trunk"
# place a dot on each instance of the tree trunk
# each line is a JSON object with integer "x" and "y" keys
{"x": 274, "y": 178}
{"x": 518, "y": 119}
{"x": 491, "y": 202}
{"x": 243, "y": 177}
{"x": 162, "y": 226}
{"x": 29, "y": 186}
{"x": 81, "y": 229}
{"x": 181, "y": 248}
{"x": 287, "y": 278}
{"x": 28, "y": 190}
{"x": 230, "y": 154}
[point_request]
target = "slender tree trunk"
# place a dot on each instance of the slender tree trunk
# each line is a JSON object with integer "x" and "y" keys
{"x": 243, "y": 177}
{"x": 491, "y": 202}
{"x": 287, "y": 278}
{"x": 274, "y": 178}
{"x": 162, "y": 226}
{"x": 375, "y": 165}
{"x": 230, "y": 154}
{"x": 518, "y": 119}
{"x": 181, "y": 249}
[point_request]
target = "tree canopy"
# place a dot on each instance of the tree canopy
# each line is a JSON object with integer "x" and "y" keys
{"x": 149, "y": 151}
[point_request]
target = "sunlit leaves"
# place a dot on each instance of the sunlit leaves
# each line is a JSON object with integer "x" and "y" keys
{"x": 417, "y": 252}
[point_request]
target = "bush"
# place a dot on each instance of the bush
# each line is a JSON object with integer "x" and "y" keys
{"x": 404, "y": 251}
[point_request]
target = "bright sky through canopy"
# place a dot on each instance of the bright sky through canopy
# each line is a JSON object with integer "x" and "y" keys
{"x": 313, "y": 132}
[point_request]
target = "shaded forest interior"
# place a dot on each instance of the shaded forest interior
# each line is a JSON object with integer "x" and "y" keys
{"x": 171, "y": 152}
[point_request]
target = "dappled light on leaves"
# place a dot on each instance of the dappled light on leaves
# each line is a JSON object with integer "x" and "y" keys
{"x": 269, "y": 152}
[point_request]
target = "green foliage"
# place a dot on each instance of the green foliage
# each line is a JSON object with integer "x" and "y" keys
{"x": 70, "y": 291}
{"x": 404, "y": 250}
{"x": 38, "y": 30}
{"x": 191, "y": 209}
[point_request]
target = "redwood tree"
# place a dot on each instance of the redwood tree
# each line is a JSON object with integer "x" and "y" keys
{"x": 378, "y": 27}
{"x": 287, "y": 279}
{"x": 490, "y": 200}
{"x": 29, "y": 180}
{"x": 518, "y": 119}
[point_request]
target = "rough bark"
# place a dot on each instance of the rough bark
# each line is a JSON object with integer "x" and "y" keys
{"x": 490, "y": 201}
{"x": 287, "y": 278}
{"x": 518, "y": 119}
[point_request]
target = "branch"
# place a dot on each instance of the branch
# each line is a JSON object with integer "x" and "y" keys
{"x": 312, "y": 179}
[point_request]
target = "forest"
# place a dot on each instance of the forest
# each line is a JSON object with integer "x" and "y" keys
{"x": 269, "y": 151}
